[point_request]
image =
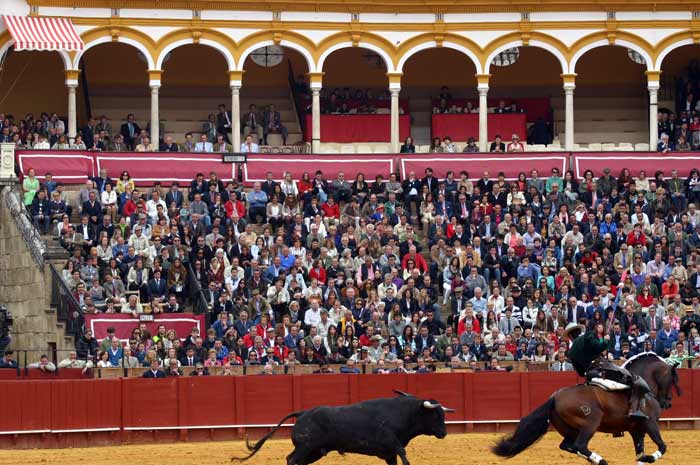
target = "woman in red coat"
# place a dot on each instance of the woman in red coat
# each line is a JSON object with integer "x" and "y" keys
{"x": 318, "y": 272}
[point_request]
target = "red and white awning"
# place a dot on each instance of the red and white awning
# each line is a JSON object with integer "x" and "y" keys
{"x": 37, "y": 33}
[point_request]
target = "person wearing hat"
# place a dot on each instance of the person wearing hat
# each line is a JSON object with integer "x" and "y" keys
{"x": 375, "y": 350}
{"x": 585, "y": 355}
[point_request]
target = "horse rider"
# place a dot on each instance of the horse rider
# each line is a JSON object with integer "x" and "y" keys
{"x": 585, "y": 355}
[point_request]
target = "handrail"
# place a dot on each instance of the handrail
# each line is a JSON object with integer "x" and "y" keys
{"x": 297, "y": 100}
{"x": 68, "y": 309}
{"x": 86, "y": 89}
{"x": 25, "y": 224}
{"x": 199, "y": 302}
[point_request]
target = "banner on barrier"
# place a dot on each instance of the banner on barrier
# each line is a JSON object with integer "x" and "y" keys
{"x": 650, "y": 162}
{"x": 477, "y": 163}
{"x": 371, "y": 165}
{"x": 124, "y": 323}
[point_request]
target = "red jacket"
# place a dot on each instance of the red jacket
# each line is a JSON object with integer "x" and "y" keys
{"x": 461, "y": 326}
{"x": 239, "y": 207}
{"x": 319, "y": 274}
{"x": 418, "y": 259}
{"x": 331, "y": 211}
{"x": 632, "y": 241}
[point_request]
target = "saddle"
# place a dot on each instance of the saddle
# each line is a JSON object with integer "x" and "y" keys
{"x": 608, "y": 384}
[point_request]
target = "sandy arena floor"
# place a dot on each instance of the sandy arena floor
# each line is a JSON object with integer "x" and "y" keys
{"x": 455, "y": 449}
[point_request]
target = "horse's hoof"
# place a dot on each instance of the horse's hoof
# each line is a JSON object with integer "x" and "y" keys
{"x": 603, "y": 462}
{"x": 647, "y": 459}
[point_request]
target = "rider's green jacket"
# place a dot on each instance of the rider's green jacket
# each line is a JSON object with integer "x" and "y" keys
{"x": 584, "y": 350}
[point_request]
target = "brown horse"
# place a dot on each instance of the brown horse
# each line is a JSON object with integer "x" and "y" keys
{"x": 661, "y": 377}
{"x": 578, "y": 412}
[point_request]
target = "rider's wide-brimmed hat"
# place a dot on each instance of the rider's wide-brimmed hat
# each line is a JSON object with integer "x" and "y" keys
{"x": 573, "y": 327}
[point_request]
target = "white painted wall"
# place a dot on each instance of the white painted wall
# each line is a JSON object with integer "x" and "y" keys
{"x": 155, "y": 32}
{"x": 75, "y": 12}
{"x": 397, "y": 18}
{"x": 653, "y": 15}
{"x": 162, "y": 14}
{"x": 481, "y": 17}
{"x": 654, "y": 36}
{"x": 237, "y": 15}
{"x": 14, "y": 7}
{"x": 315, "y": 16}
{"x": 569, "y": 16}
{"x": 316, "y": 35}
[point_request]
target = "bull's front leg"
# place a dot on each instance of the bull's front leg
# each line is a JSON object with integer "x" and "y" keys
{"x": 401, "y": 452}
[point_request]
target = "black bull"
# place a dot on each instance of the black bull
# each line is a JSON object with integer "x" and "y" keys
{"x": 380, "y": 428}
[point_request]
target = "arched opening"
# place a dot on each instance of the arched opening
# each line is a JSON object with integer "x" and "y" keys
{"x": 194, "y": 83}
{"x": 115, "y": 77}
{"x": 32, "y": 82}
{"x": 679, "y": 95}
{"x": 526, "y": 84}
{"x": 611, "y": 97}
{"x": 355, "y": 100}
{"x": 424, "y": 75}
{"x": 274, "y": 83}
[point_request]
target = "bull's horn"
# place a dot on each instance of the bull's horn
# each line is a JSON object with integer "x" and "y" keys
{"x": 445, "y": 409}
{"x": 401, "y": 393}
{"x": 428, "y": 404}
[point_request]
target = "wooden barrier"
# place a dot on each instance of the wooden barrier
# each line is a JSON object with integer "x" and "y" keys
{"x": 76, "y": 413}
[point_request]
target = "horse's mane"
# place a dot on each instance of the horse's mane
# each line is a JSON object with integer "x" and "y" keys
{"x": 643, "y": 355}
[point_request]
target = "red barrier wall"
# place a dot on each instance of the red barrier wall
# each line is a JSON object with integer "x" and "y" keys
{"x": 115, "y": 411}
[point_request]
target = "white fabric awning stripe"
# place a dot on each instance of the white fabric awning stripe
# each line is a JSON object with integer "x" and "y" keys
{"x": 37, "y": 33}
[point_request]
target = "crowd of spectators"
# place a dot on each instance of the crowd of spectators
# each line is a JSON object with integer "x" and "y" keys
{"x": 343, "y": 101}
{"x": 680, "y": 130}
{"x": 445, "y": 145}
{"x": 423, "y": 269}
{"x": 48, "y": 132}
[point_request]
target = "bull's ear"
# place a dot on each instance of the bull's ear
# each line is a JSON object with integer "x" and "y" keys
{"x": 404, "y": 394}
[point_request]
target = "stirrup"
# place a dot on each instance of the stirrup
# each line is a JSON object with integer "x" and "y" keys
{"x": 638, "y": 415}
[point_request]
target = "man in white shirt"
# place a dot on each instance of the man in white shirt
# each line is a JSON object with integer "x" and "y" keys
{"x": 248, "y": 146}
{"x": 152, "y": 206}
{"x": 42, "y": 144}
{"x": 312, "y": 317}
{"x": 204, "y": 145}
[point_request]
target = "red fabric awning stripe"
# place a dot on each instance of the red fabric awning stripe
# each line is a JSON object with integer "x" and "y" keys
{"x": 36, "y": 33}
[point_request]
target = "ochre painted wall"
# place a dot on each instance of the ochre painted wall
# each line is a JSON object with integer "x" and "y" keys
{"x": 609, "y": 72}
{"x": 32, "y": 82}
{"x": 117, "y": 69}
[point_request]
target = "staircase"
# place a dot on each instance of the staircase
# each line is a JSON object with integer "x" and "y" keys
{"x": 181, "y": 112}
{"x": 604, "y": 120}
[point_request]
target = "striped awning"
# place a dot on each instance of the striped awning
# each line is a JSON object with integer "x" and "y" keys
{"x": 36, "y": 33}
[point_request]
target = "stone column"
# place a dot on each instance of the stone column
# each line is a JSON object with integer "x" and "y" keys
{"x": 653, "y": 86}
{"x": 483, "y": 89}
{"x": 315, "y": 83}
{"x": 72, "y": 84}
{"x": 395, "y": 90}
{"x": 569, "y": 86}
{"x": 154, "y": 82}
{"x": 236, "y": 81}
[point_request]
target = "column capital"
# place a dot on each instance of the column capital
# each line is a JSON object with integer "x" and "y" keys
{"x": 316, "y": 79}
{"x": 569, "y": 80}
{"x": 72, "y": 76}
{"x": 235, "y": 78}
{"x": 653, "y": 80}
{"x": 482, "y": 81}
{"x": 394, "y": 81}
{"x": 315, "y": 91}
{"x": 154, "y": 76}
{"x": 394, "y": 91}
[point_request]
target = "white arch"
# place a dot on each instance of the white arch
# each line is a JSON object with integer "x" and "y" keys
{"x": 432, "y": 44}
{"x": 385, "y": 56}
{"x": 65, "y": 58}
{"x": 669, "y": 49}
{"x": 533, "y": 43}
{"x": 605, "y": 43}
{"x": 284, "y": 43}
{"x": 230, "y": 62}
{"x": 122, "y": 40}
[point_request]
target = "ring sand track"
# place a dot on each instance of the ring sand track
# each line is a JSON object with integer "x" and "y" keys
{"x": 457, "y": 449}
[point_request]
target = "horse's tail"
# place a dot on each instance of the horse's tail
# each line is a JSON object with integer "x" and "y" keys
{"x": 530, "y": 429}
{"x": 675, "y": 381}
{"x": 254, "y": 448}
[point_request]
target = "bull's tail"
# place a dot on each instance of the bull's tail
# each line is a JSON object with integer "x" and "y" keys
{"x": 675, "y": 381}
{"x": 530, "y": 429}
{"x": 253, "y": 448}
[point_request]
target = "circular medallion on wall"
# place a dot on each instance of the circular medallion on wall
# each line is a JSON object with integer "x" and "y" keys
{"x": 269, "y": 56}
